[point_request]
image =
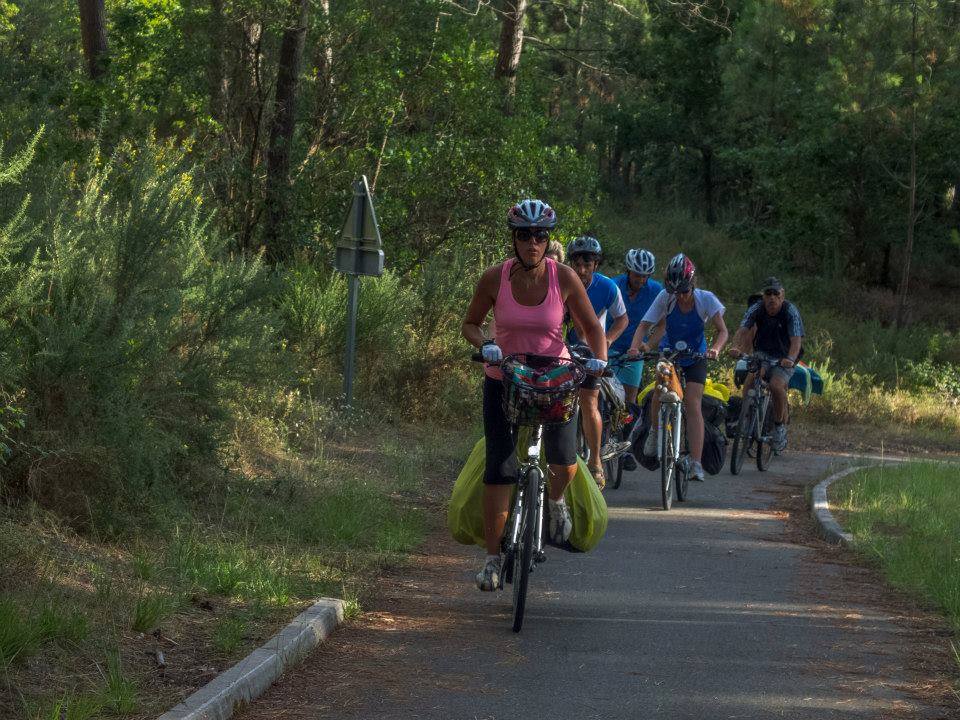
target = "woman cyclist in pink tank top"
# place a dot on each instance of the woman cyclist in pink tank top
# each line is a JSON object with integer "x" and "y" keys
{"x": 528, "y": 294}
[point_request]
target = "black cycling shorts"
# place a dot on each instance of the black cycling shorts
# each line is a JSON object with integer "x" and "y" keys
{"x": 559, "y": 441}
{"x": 695, "y": 373}
{"x": 590, "y": 382}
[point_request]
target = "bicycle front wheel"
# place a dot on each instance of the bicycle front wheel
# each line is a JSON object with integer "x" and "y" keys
{"x": 523, "y": 552}
{"x": 668, "y": 466}
{"x": 765, "y": 443}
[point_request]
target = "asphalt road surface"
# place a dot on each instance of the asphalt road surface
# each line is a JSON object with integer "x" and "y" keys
{"x": 710, "y": 610}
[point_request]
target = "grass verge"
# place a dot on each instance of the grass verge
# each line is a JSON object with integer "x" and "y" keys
{"x": 94, "y": 627}
{"x": 905, "y": 518}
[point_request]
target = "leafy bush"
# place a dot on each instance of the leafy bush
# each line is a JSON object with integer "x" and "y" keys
{"x": 132, "y": 328}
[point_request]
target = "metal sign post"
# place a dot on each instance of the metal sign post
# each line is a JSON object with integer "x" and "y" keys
{"x": 358, "y": 253}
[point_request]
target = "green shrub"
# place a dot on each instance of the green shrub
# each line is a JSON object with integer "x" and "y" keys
{"x": 133, "y": 329}
{"x": 120, "y": 693}
{"x": 150, "y": 609}
{"x": 18, "y": 636}
{"x": 71, "y": 706}
{"x": 229, "y": 634}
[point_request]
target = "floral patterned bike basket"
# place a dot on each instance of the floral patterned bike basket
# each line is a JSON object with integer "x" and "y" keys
{"x": 540, "y": 390}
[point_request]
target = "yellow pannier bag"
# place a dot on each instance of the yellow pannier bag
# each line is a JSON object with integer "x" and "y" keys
{"x": 588, "y": 509}
{"x": 718, "y": 390}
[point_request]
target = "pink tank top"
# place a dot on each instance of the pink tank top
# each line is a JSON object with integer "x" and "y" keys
{"x": 536, "y": 329}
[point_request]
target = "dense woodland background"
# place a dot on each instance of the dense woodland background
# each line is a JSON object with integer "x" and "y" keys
{"x": 175, "y": 460}
{"x": 176, "y": 172}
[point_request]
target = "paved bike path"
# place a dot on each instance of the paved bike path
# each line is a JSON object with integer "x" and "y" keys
{"x": 706, "y": 611}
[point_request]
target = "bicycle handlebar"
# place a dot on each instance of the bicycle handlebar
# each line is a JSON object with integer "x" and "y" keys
{"x": 672, "y": 355}
{"x": 576, "y": 359}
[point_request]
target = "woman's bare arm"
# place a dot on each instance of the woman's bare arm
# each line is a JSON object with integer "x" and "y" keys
{"x": 483, "y": 299}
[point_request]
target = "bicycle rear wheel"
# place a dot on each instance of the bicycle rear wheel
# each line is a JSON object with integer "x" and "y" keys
{"x": 742, "y": 441}
{"x": 523, "y": 552}
{"x": 614, "y": 471}
{"x": 668, "y": 466}
{"x": 765, "y": 443}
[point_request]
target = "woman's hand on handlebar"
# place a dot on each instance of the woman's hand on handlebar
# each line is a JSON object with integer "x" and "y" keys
{"x": 735, "y": 352}
{"x": 595, "y": 366}
{"x": 491, "y": 352}
{"x": 712, "y": 354}
{"x": 637, "y": 351}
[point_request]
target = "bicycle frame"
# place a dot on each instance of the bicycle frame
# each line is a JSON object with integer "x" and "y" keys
{"x": 670, "y": 413}
{"x": 530, "y": 465}
{"x": 754, "y": 417}
{"x": 757, "y": 402}
{"x": 670, "y": 389}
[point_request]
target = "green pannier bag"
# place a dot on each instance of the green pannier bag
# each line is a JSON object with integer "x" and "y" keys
{"x": 588, "y": 509}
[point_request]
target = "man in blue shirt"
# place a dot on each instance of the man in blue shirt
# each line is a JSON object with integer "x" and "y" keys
{"x": 584, "y": 255}
{"x": 638, "y": 290}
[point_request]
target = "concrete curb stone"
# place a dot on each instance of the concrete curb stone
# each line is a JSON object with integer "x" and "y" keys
{"x": 827, "y": 524}
{"x": 250, "y": 678}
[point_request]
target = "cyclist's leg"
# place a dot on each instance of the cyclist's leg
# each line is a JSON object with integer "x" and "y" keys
{"x": 693, "y": 411}
{"x": 590, "y": 418}
{"x": 696, "y": 377}
{"x": 629, "y": 376}
{"x": 779, "y": 380}
{"x": 744, "y": 406}
{"x": 560, "y": 447}
{"x": 500, "y": 474}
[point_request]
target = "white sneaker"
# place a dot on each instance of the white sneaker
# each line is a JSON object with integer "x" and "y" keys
{"x": 650, "y": 444}
{"x": 488, "y": 578}
{"x": 696, "y": 471}
{"x": 779, "y": 438}
{"x": 613, "y": 448}
{"x": 561, "y": 524}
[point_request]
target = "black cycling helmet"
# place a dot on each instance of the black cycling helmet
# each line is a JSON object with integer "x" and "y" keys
{"x": 680, "y": 274}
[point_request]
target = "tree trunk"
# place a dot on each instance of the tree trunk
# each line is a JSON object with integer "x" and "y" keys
{"x": 326, "y": 107}
{"x": 955, "y": 205}
{"x": 912, "y": 205}
{"x": 581, "y": 98}
{"x": 217, "y": 81}
{"x": 93, "y": 31}
{"x": 709, "y": 199}
{"x": 511, "y": 45}
{"x": 885, "y": 280}
{"x": 281, "y": 134}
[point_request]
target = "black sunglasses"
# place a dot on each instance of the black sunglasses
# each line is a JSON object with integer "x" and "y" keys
{"x": 771, "y": 293}
{"x": 538, "y": 235}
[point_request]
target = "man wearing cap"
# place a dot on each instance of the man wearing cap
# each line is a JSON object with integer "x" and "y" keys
{"x": 772, "y": 326}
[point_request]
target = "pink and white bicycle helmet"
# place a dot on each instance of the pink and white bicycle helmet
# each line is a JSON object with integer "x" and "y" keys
{"x": 531, "y": 214}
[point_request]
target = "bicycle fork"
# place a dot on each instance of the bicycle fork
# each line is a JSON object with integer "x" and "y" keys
{"x": 674, "y": 414}
{"x": 530, "y": 471}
